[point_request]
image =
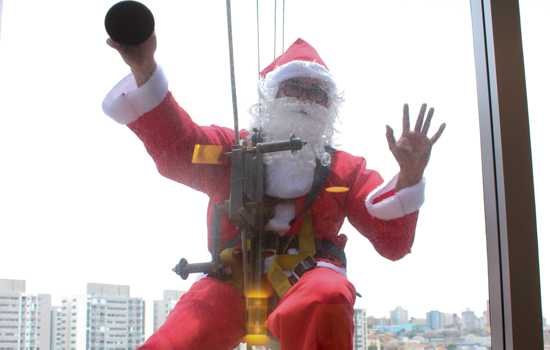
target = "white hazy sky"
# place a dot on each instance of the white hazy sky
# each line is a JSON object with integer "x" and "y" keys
{"x": 81, "y": 201}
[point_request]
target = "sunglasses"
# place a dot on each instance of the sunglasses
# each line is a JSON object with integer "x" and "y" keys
{"x": 302, "y": 90}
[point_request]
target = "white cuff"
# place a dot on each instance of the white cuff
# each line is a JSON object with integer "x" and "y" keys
{"x": 406, "y": 201}
{"x": 126, "y": 102}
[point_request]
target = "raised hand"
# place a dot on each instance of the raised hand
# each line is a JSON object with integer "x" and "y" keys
{"x": 412, "y": 150}
{"x": 140, "y": 58}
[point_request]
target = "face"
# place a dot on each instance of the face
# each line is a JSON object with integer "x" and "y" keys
{"x": 304, "y": 89}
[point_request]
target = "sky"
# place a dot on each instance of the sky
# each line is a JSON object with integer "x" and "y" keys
{"x": 81, "y": 200}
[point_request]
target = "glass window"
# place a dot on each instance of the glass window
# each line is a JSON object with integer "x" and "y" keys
{"x": 386, "y": 54}
{"x": 72, "y": 175}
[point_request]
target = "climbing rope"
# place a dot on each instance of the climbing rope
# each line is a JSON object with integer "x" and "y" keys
{"x": 231, "y": 56}
{"x": 283, "y": 28}
{"x": 232, "y": 70}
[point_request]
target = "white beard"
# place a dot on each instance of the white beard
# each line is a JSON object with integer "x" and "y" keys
{"x": 290, "y": 175}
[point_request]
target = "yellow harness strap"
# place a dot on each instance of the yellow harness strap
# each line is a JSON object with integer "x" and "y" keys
{"x": 288, "y": 262}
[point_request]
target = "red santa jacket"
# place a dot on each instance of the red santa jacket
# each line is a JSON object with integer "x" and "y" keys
{"x": 169, "y": 135}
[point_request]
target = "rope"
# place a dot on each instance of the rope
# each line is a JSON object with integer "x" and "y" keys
{"x": 275, "y": 31}
{"x": 283, "y": 29}
{"x": 232, "y": 69}
{"x": 258, "y": 34}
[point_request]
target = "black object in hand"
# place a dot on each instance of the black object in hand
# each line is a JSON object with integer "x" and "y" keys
{"x": 129, "y": 23}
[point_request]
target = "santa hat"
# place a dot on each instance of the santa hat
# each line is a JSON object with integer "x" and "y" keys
{"x": 299, "y": 60}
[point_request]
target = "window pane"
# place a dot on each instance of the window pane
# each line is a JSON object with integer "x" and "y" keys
{"x": 385, "y": 54}
{"x": 534, "y": 26}
{"x": 82, "y": 199}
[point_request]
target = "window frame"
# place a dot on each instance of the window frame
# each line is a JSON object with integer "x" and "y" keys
{"x": 510, "y": 218}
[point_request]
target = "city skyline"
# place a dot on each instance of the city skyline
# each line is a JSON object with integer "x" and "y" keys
{"x": 109, "y": 314}
{"x": 165, "y": 295}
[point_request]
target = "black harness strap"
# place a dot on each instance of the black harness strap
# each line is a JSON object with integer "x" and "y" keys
{"x": 319, "y": 178}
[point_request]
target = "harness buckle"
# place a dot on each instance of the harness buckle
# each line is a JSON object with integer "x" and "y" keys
{"x": 302, "y": 267}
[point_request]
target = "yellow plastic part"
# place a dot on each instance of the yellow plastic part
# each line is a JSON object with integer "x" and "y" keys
{"x": 256, "y": 339}
{"x": 227, "y": 258}
{"x": 262, "y": 293}
{"x": 337, "y": 189}
{"x": 257, "y": 308}
{"x": 207, "y": 154}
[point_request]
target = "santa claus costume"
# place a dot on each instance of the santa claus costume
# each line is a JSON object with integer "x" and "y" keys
{"x": 317, "y": 311}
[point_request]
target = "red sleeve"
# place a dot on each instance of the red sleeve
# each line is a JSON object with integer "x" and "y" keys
{"x": 170, "y": 136}
{"x": 393, "y": 239}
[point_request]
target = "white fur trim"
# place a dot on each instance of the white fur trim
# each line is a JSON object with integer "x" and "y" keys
{"x": 306, "y": 69}
{"x": 406, "y": 201}
{"x": 333, "y": 267}
{"x": 286, "y": 179}
{"x": 283, "y": 214}
{"x": 126, "y": 102}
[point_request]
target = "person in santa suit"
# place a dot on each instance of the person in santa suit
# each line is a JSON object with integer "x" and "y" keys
{"x": 298, "y": 97}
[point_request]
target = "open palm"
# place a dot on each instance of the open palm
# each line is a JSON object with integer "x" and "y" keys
{"x": 412, "y": 150}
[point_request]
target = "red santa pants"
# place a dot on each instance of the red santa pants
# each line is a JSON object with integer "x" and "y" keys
{"x": 315, "y": 314}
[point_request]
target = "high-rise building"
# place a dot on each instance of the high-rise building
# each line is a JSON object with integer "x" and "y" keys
{"x": 69, "y": 325}
{"x": 360, "y": 334}
{"x": 163, "y": 307}
{"x": 24, "y": 319}
{"x": 58, "y": 329}
{"x": 434, "y": 319}
{"x": 114, "y": 319}
{"x": 399, "y": 316}
{"x": 470, "y": 321}
{"x": 448, "y": 320}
